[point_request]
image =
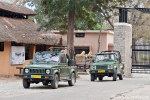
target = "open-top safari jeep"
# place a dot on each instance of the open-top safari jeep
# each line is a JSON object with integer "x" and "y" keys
{"x": 83, "y": 61}
{"x": 50, "y": 67}
{"x": 107, "y": 63}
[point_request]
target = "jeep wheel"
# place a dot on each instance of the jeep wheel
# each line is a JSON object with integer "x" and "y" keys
{"x": 115, "y": 75}
{"x": 45, "y": 82}
{"x": 54, "y": 83}
{"x": 73, "y": 80}
{"x": 26, "y": 84}
{"x": 120, "y": 77}
{"x": 92, "y": 77}
{"x": 100, "y": 78}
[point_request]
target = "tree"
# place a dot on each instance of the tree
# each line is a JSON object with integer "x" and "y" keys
{"x": 140, "y": 23}
{"x": 63, "y": 14}
{"x": 138, "y": 20}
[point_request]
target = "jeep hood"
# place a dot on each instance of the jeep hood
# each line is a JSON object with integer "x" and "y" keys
{"x": 103, "y": 63}
{"x": 40, "y": 65}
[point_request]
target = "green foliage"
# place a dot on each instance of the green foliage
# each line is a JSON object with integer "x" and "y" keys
{"x": 31, "y": 18}
{"x": 53, "y": 14}
{"x": 67, "y": 15}
{"x": 97, "y": 27}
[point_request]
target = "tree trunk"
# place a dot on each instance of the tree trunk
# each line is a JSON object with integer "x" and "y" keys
{"x": 99, "y": 41}
{"x": 70, "y": 34}
{"x": 99, "y": 35}
{"x": 134, "y": 53}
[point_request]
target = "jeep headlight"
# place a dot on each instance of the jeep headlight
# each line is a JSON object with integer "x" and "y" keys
{"x": 47, "y": 71}
{"x": 26, "y": 70}
{"x": 93, "y": 67}
{"x": 110, "y": 66}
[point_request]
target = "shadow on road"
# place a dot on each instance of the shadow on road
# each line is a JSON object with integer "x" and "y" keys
{"x": 48, "y": 86}
{"x": 107, "y": 81}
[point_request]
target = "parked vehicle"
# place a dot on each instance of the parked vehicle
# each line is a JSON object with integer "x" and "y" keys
{"x": 50, "y": 67}
{"x": 107, "y": 63}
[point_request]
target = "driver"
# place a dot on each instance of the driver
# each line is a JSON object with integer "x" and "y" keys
{"x": 111, "y": 57}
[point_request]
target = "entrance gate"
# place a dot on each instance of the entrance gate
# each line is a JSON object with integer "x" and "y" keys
{"x": 140, "y": 53}
{"x": 141, "y": 58}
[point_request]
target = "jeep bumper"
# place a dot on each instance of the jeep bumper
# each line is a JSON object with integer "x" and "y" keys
{"x": 104, "y": 72}
{"x": 37, "y": 77}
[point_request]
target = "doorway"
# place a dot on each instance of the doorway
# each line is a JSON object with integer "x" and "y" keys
{"x": 79, "y": 49}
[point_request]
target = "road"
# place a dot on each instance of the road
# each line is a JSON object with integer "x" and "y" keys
{"x": 84, "y": 89}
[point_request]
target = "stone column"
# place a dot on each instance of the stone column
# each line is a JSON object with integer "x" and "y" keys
{"x": 123, "y": 43}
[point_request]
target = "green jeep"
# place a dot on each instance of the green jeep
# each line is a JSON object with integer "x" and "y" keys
{"x": 50, "y": 67}
{"x": 107, "y": 63}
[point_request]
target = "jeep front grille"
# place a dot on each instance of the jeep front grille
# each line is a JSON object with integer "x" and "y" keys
{"x": 39, "y": 71}
{"x": 101, "y": 67}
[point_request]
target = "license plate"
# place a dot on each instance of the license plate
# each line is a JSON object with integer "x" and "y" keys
{"x": 101, "y": 71}
{"x": 35, "y": 76}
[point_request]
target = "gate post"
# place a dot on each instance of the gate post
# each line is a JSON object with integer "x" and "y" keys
{"x": 123, "y": 43}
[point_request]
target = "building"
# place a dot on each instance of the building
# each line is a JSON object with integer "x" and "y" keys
{"x": 88, "y": 40}
{"x": 19, "y": 38}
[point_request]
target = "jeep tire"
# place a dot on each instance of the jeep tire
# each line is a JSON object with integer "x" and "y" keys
{"x": 45, "y": 82}
{"x": 120, "y": 77}
{"x": 115, "y": 75}
{"x": 26, "y": 84}
{"x": 73, "y": 80}
{"x": 92, "y": 77}
{"x": 54, "y": 83}
{"x": 100, "y": 78}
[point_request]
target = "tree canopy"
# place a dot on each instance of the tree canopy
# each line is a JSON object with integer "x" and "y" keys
{"x": 140, "y": 21}
{"x": 69, "y": 15}
{"x": 53, "y": 14}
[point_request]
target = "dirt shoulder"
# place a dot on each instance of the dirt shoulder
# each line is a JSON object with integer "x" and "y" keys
{"x": 10, "y": 79}
{"x": 140, "y": 93}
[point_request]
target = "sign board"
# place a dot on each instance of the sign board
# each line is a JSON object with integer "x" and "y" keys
{"x": 17, "y": 55}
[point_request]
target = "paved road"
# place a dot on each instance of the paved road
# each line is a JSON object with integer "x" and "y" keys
{"x": 83, "y": 90}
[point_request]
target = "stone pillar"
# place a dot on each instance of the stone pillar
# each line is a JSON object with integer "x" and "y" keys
{"x": 123, "y": 43}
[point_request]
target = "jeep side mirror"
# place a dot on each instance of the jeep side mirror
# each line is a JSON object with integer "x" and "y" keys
{"x": 31, "y": 61}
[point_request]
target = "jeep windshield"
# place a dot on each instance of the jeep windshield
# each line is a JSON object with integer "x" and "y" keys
{"x": 46, "y": 57}
{"x": 105, "y": 57}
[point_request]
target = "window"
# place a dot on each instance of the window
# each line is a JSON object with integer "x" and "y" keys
{"x": 79, "y": 49}
{"x": 80, "y": 35}
{"x": 1, "y": 46}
